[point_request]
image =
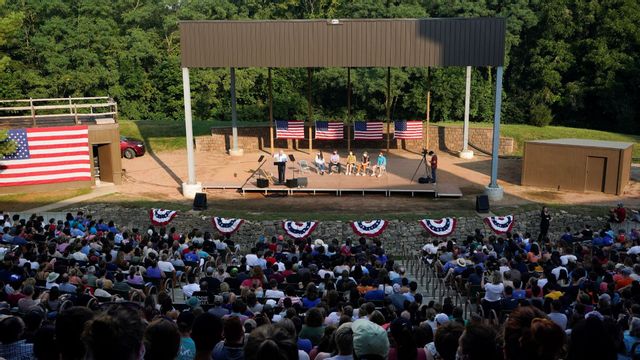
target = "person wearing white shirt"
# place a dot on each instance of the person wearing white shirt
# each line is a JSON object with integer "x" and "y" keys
{"x": 281, "y": 159}
{"x": 556, "y": 271}
{"x": 164, "y": 265}
{"x": 634, "y": 250}
{"x": 273, "y": 293}
{"x": 564, "y": 259}
{"x": 334, "y": 160}
{"x": 252, "y": 260}
{"x": 430, "y": 248}
{"x": 190, "y": 288}
{"x": 79, "y": 256}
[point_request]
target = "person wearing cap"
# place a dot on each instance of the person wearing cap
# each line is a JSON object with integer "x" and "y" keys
{"x": 370, "y": 340}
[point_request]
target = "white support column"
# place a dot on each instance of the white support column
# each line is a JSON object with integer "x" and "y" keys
{"x": 466, "y": 153}
{"x": 493, "y": 190}
{"x": 191, "y": 187}
{"x": 234, "y": 151}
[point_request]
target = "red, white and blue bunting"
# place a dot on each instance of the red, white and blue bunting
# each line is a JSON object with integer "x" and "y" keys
{"x": 226, "y": 226}
{"x": 299, "y": 230}
{"x": 369, "y": 228}
{"x": 439, "y": 227}
{"x": 161, "y": 217}
{"x": 500, "y": 224}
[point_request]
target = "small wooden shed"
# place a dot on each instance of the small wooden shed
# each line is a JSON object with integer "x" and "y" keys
{"x": 577, "y": 165}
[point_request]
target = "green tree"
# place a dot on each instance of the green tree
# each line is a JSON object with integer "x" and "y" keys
{"x": 10, "y": 22}
{"x": 7, "y": 146}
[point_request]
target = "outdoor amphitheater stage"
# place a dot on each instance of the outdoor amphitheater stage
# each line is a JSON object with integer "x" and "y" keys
{"x": 243, "y": 173}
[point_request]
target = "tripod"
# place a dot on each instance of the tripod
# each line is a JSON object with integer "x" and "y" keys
{"x": 423, "y": 160}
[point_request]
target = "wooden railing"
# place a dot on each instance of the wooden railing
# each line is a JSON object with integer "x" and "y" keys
{"x": 58, "y": 111}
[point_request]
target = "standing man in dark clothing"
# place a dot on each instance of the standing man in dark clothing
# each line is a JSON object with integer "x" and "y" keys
{"x": 545, "y": 219}
{"x": 281, "y": 159}
{"x": 434, "y": 165}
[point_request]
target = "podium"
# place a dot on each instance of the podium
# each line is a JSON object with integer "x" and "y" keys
{"x": 282, "y": 168}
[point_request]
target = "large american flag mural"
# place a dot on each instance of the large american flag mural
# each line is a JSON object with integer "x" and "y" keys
{"x": 47, "y": 155}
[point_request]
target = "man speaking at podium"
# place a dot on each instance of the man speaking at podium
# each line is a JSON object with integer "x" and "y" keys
{"x": 281, "y": 160}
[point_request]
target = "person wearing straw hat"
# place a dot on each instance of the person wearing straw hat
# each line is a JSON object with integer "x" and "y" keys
{"x": 51, "y": 280}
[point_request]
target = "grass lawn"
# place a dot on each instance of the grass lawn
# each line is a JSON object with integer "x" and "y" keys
{"x": 170, "y": 135}
{"x": 522, "y": 133}
{"x": 22, "y": 202}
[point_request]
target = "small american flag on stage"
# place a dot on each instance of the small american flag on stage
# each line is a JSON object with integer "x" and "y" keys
{"x": 363, "y": 130}
{"x": 329, "y": 130}
{"x": 286, "y": 129}
{"x": 47, "y": 155}
{"x": 408, "y": 130}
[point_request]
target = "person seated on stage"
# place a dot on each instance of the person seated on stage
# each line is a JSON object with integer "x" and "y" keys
{"x": 335, "y": 161}
{"x": 381, "y": 165}
{"x": 351, "y": 163}
{"x": 320, "y": 164}
{"x": 364, "y": 165}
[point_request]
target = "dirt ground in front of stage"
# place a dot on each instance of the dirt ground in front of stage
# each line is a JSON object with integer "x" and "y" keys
{"x": 159, "y": 176}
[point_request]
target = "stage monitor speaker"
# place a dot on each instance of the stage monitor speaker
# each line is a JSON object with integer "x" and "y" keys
{"x": 292, "y": 183}
{"x": 263, "y": 183}
{"x": 303, "y": 182}
{"x": 424, "y": 180}
{"x": 200, "y": 201}
{"x": 482, "y": 203}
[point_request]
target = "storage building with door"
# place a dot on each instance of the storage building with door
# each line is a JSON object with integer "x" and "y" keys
{"x": 577, "y": 165}
{"x": 62, "y": 143}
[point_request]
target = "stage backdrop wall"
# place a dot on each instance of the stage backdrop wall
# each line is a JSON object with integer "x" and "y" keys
{"x": 447, "y": 138}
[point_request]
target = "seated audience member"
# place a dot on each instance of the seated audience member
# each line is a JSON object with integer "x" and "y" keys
{"x": 116, "y": 333}
{"x": 530, "y": 335}
{"x": 446, "y": 340}
{"x": 270, "y": 342}
{"x": 206, "y": 333}
{"x": 231, "y": 347}
{"x": 478, "y": 342}
{"x": 618, "y": 214}
{"x": 370, "y": 341}
{"x": 12, "y": 345}
{"x": 161, "y": 340}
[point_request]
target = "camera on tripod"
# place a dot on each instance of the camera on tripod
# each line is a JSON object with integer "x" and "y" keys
{"x": 425, "y": 152}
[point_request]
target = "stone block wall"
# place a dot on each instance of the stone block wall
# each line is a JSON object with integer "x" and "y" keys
{"x": 447, "y": 138}
{"x": 398, "y": 233}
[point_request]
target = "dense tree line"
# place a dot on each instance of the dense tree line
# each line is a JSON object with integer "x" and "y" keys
{"x": 569, "y": 62}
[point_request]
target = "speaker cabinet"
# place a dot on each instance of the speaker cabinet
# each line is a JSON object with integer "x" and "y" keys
{"x": 292, "y": 183}
{"x": 303, "y": 182}
{"x": 424, "y": 180}
{"x": 263, "y": 183}
{"x": 200, "y": 201}
{"x": 482, "y": 203}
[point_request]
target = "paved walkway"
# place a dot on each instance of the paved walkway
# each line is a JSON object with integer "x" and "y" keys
{"x": 98, "y": 191}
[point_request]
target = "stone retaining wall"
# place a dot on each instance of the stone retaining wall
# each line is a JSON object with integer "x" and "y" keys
{"x": 440, "y": 137}
{"x": 409, "y": 233}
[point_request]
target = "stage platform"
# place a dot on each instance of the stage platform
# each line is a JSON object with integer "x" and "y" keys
{"x": 397, "y": 180}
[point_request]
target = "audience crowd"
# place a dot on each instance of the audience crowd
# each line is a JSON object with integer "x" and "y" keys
{"x": 84, "y": 288}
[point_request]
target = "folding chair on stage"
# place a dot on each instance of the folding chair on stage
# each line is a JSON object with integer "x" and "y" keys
{"x": 304, "y": 167}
